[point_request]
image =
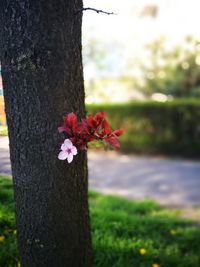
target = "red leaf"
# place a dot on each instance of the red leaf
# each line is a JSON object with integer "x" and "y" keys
{"x": 113, "y": 141}
{"x": 71, "y": 120}
{"x": 61, "y": 129}
{"x": 92, "y": 128}
{"x": 99, "y": 116}
{"x": 118, "y": 132}
{"x": 89, "y": 121}
{"x": 106, "y": 128}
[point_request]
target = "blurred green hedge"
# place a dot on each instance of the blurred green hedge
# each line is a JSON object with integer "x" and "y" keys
{"x": 153, "y": 127}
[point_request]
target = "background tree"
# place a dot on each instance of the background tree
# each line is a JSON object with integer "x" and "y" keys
{"x": 172, "y": 70}
{"x": 43, "y": 80}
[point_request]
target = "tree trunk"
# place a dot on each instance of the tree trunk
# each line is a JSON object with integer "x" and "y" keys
{"x": 43, "y": 80}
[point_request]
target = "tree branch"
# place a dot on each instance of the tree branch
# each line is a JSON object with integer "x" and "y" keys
{"x": 96, "y": 10}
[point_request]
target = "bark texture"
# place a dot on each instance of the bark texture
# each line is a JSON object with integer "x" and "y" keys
{"x": 43, "y": 80}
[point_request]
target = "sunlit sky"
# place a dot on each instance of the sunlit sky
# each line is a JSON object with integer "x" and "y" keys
{"x": 175, "y": 18}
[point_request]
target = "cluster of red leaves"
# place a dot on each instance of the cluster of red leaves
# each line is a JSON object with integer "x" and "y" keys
{"x": 92, "y": 128}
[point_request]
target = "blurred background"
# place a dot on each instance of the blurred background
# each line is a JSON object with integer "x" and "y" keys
{"x": 142, "y": 66}
{"x": 148, "y": 50}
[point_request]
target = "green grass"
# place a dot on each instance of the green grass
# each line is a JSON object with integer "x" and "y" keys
{"x": 8, "y": 247}
{"x": 3, "y": 130}
{"x": 120, "y": 229}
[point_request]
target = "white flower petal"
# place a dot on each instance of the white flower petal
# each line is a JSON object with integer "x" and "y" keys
{"x": 74, "y": 150}
{"x": 70, "y": 158}
{"x": 68, "y": 143}
{"x": 63, "y": 147}
{"x": 62, "y": 155}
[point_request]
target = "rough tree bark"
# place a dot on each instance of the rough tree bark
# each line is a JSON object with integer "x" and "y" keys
{"x": 43, "y": 80}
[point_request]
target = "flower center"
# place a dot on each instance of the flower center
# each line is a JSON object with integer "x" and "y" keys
{"x": 69, "y": 150}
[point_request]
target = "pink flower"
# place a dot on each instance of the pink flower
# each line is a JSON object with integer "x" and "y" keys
{"x": 68, "y": 151}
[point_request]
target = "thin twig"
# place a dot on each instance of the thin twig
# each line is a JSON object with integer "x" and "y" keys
{"x": 97, "y": 10}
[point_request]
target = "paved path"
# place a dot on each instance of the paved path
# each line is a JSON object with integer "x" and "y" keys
{"x": 170, "y": 182}
{"x": 4, "y": 156}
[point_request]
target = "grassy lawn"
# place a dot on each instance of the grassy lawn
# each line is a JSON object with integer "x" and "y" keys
{"x": 125, "y": 233}
{"x": 3, "y": 130}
